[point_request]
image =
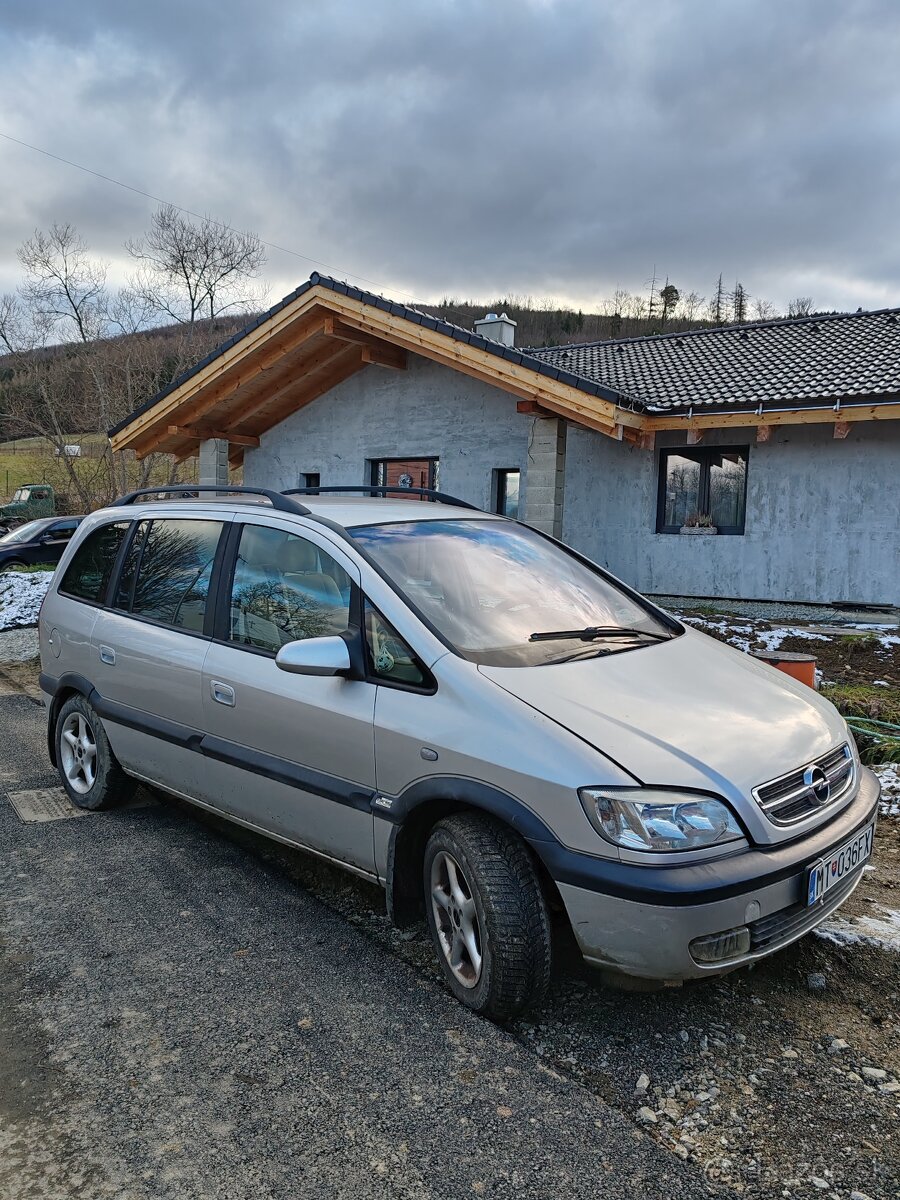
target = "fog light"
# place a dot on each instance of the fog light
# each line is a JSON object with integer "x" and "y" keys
{"x": 717, "y": 947}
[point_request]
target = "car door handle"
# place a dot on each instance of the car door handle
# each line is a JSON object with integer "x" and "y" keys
{"x": 108, "y": 655}
{"x": 222, "y": 693}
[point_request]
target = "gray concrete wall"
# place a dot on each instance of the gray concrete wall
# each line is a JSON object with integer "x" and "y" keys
{"x": 823, "y": 517}
{"x": 426, "y": 411}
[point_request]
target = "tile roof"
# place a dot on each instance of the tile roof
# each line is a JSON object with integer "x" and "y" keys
{"x": 777, "y": 364}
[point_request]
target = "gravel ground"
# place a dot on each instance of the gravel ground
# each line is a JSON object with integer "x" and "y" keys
{"x": 180, "y": 1021}
{"x": 202, "y": 944}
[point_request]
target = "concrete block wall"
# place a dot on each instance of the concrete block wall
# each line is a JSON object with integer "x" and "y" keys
{"x": 545, "y": 477}
{"x": 426, "y": 411}
{"x": 213, "y": 461}
{"x": 822, "y": 523}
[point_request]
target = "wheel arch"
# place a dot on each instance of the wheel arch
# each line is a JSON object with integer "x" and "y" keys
{"x": 70, "y": 684}
{"x": 415, "y": 813}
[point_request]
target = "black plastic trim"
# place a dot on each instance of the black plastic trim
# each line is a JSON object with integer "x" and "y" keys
{"x": 280, "y": 501}
{"x": 377, "y": 489}
{"x": 282, "y": 770}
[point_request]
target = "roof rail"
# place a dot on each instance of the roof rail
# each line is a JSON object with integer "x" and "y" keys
{"x": 278, "y": 500}
{"x": 377, "y": 489}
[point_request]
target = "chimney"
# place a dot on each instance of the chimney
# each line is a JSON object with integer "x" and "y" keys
{"x": 499, "y": 329}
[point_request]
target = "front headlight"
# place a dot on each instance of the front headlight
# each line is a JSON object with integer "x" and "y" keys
{"x": 653, "y": 819}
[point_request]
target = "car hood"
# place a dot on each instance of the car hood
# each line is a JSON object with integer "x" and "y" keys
{"x": 690, "y": 712}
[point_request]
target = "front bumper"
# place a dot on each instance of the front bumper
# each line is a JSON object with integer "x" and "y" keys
{"x": 648, "y": 935}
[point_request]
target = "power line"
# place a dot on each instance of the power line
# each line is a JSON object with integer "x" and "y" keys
{"x": 200, "y": 216}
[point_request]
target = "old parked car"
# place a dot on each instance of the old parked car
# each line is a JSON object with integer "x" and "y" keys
{"x": 470, "y": 713}
{"x": 37, "y": 542}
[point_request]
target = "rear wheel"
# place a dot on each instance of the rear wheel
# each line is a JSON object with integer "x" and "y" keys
{"x": 487, "y": 915}
{"x": 88, "y": 768}
{"x": 10, "y": 563}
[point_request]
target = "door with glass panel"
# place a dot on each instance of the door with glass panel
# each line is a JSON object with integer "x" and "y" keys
{"x": 148, "y": 651}
{"x": 292, "y": 754}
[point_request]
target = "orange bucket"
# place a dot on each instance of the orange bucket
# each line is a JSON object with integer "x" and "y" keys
{"x": 798, "y": 666}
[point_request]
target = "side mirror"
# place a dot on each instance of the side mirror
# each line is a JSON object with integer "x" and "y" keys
{"x": 314, "y": 656}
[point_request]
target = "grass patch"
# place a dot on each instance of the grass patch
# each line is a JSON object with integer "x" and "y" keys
{"x": 27, "y": 569}
{"x": 863, "y": 700}
{"x": 869, "y": 710}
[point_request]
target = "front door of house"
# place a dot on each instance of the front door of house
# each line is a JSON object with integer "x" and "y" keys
{"x": 405, "y": 473}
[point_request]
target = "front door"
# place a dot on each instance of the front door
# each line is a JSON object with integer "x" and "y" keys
{"x": 405, "y": 473}
{"x": 291, "y": 754}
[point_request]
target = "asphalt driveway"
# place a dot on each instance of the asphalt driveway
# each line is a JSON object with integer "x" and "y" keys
{"x": 178, "y": 1018}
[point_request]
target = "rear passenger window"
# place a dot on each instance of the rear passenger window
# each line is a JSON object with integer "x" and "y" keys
{"x": 174, "y": 561}
{"x": 285, "y": 589}
{"x": 87, "y": 575}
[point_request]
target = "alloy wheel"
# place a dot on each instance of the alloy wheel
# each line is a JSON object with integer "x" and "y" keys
{"x": 456, "y": 919}
{"x": 78, "y": 751}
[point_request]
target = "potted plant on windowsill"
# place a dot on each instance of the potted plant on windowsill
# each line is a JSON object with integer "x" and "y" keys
{"x": 699, "y": 523}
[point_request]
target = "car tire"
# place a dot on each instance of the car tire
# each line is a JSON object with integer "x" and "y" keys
{"x": 10, "y": 563}
{"x": 89, "y": 771}
{"x": 487, "y": 915}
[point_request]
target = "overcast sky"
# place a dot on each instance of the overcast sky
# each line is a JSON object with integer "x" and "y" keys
{"x": 555, "y": 148}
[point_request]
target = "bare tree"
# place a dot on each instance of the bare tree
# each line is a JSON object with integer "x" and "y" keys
{"x": 64, "y": 288}
{"x": 739, "y": 304}
{"x": 192, "y": 269}
{"x": 764, "y": 310}
{"x": 715, "y": 310}
{"x": 801, "y": 306}
{"x": 692, "y": 304}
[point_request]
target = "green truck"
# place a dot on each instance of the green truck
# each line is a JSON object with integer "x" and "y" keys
{"x": 28, "y": 502}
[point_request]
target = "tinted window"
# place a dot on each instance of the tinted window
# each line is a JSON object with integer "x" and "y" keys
{"x": 390, "y": 657}
{"x": 88, "y": 573}
{"x": 285, "y": 589}
{"x": 174, "y": 571}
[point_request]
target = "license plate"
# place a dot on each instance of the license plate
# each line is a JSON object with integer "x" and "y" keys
{"x": 826, "y": 873}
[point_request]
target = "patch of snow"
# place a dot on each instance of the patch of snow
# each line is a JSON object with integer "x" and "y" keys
{"x": 746, "y": 635}
{"x": 889, "y": 775}
{"x": 881, "y": 929}
{"x": 21, "y": 593}
{"x": 880, "y": 683}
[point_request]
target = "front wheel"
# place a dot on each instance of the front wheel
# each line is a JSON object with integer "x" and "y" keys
{"x": 88, "y": 768}
{"x": 487, "y": 915}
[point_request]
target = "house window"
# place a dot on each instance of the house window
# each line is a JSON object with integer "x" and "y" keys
{"x": 405, "y": 473}
{"x": 311, "y": 479}
{"x": 506, "y": 492}
{"x": 705, "y": 482}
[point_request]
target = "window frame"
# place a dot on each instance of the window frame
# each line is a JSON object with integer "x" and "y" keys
{"x": 702, "y": 455}
{"x": 222, "y": 584}
{"x": 115, "y": 578}
{"x": 427, "y": 687}
{"x": 112, "y": 582}
{"x": 433, "y": 461}
{"x": 501, "y": 474}
{"x": 309, "y": 477}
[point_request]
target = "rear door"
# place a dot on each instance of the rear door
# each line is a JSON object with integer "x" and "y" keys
{"x": 149, "y": 647}
{"x": 52, "y": 541}
{"x": 291, "y": 754}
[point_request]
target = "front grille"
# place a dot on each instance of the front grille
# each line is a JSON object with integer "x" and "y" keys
{"x": 790, "y": 922}
{"x": 792, "y": 797}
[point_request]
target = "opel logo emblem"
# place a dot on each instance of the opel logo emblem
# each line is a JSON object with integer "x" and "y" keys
{"x": 817, "y": 782}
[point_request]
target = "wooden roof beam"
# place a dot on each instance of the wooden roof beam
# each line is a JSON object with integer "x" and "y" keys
{"x": 795, "y": 416}
{"x": 203, "y": 435}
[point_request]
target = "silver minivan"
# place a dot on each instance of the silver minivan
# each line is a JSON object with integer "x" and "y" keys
{"x": 507, "y": 738}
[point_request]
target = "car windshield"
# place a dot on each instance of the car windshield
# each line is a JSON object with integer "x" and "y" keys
{"x": 488, "y": 586}
{"x": 24, "y": 533}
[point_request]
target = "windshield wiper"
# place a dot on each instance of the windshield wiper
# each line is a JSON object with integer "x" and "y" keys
{"x": 593, "y": 632}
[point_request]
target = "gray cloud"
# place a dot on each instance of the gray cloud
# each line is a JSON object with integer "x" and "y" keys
{"x": 528, "y": 146}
